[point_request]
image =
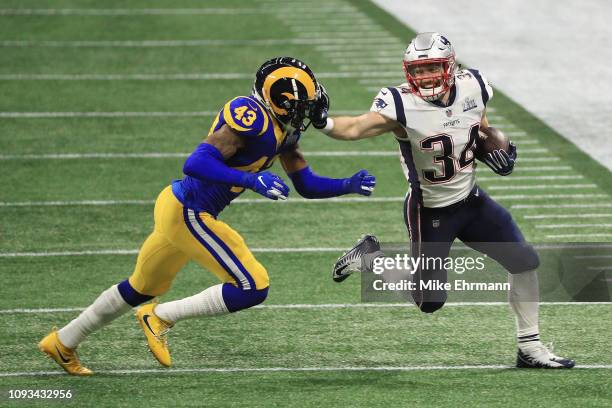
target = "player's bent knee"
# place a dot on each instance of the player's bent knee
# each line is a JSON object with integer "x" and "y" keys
{"x": 528, "y": 261}
{"x": 430, "y": 307}
{"x": 130, "y": 295}
{"x": 238, "y": 299}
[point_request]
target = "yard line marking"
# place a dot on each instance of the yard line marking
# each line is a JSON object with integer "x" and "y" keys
{"x": 592, "y": 256}
{"x": 538, "y": 159}
{"x": 565, "y": 216}
{"x": 296, "y": 200}
{"x": 554, "y": 206}
{"x": 167, "y": 11}
{"x": 579, "y": 236}
{"x": 127, "y": 12}
{"x": 306, "y": 306}
{"x": 189, "y": 43}
{"x": 135, "y": 251}
{"x": 175, "y": 77}
{"x": 105, "y": 252}
{"x": 554, "y": 226}
{"x": 600, "y": 268}
{"x": 542, "y": 187}
{"x": 569, "y": 177}
{"x": 282, "y": 370}
{"x": 160, "y": 155}
{"x": 128, "y": 114}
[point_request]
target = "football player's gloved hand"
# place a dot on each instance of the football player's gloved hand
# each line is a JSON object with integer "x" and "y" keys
{"x": 501, "y": 162}
{"x": 318, "y": 114}
{"x": 269, "y": 185}
{"x": 362, "y": 183}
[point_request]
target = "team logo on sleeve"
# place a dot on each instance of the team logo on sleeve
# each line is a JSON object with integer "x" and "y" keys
{"x": 380, "y": 104}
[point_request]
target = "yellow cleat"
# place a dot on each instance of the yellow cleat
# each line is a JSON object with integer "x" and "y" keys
{"x": 155, "y": 330}
{"x": 65, "y": 357}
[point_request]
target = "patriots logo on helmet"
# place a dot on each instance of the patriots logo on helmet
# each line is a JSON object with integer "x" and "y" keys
{"x": 380, "y": 104}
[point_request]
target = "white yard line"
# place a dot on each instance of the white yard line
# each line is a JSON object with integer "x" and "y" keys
{"x": 559, "y": 206}
{"x": 315, "y": 306}
{"x": 190, "y": 43}
{"x": 168, "y": 11}
{"x": 523, "y": 178}
{"x": 175, "y": 77}
{"x": 209, "y": 370}
{"x": 600, "y": 268}
{"x": 542, "y": 187}
{"x": 538, "y": 160}
{"x": 565, "y": 216}
{"x": 556, "y": 226}
{"x": 580, "y": 236}
{"x": 128, "y": 114}
{"x": 293, "y": 200}
{"x": 106, "y": 252}
{"x": 135, "y": 251}
{"x": 160, "y": 155}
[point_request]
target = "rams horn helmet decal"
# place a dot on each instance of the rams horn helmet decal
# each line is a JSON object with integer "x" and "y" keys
{"x": 288, "y": 88}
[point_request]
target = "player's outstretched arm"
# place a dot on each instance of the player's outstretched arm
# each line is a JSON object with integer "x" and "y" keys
{"x": 349, "y": 127}
{"x": 369, "y": 124}
{"x": 207, "y": 163}
{"x": 310, "y": 185}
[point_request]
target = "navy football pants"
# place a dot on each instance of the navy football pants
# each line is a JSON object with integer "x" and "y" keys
{"x": 478, "y": 221}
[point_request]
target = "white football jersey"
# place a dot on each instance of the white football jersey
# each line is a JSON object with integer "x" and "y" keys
{"x": 436, "y": 151}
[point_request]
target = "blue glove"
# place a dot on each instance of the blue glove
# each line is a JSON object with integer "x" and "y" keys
{"x": 361, "y": 182}
{"x": 501, "y": 162}
{"x": 269, "y": 185}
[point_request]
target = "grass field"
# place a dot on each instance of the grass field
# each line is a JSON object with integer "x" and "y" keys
{"x": 99, "y": 108}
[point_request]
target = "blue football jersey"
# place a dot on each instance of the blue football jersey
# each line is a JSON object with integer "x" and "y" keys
{"x": 264, "y": 141}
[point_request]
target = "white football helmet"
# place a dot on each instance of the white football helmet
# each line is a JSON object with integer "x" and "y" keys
{"x": 428, "y": 49}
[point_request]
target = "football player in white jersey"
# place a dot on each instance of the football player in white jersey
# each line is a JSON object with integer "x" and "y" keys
{"x": 436, "y": 116}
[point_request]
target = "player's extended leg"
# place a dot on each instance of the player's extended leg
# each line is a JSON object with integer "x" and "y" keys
{"x": 220, "y": 249}
{"x": 492, "y": 224}
{"x": 432, "y": 232}
{"x": 157, "y": 265}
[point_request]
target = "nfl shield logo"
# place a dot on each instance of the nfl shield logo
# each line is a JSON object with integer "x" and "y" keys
{"x": 449, "y": 112}
{"x": 435, "y": 223}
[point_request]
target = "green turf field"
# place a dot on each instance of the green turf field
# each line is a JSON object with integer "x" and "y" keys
{"x": 99, "y": 110}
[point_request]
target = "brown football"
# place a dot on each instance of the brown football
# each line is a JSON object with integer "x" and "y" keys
{"x": 490, "y": 139}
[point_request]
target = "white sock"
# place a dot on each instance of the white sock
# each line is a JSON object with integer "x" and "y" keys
{"x": 209, "y": 302}
{"x": 524, "y": 299}
{"x": 106, "y": 308}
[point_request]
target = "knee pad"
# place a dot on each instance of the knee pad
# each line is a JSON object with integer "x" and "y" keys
{"x": 130, "y": 295}
{"x": 237, "y": 299}
{"x": 430, "y": 307}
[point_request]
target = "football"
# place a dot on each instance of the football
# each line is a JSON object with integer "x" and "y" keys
{"x": 490, "y": 139}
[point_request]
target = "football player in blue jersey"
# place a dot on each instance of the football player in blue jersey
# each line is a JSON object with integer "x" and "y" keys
{"x": 246, "y": 137}
{"x": 436, "y": 116}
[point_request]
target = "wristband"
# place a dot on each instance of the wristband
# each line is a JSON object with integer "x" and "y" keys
{"x": 329, "y": 125}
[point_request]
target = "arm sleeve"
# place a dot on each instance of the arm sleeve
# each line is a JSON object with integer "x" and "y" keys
{"x": 206, "y": 163}
{"x": 310, "y": 185}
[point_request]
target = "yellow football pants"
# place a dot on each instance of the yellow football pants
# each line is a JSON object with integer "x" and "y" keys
{"x": 181, "y": 234}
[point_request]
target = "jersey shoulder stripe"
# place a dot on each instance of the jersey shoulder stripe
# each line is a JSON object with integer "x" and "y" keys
{"x": 484, "y": 89}
{"x": 245, "y": 116}
{"x": 399, "y": 106}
